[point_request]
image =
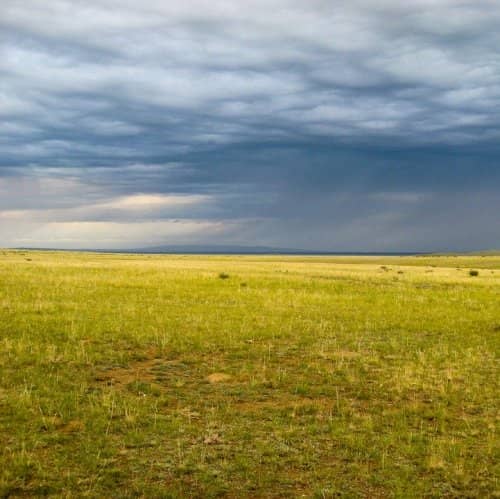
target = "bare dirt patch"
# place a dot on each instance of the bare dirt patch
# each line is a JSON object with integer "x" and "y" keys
{"x": 218, "y": 378}
{"x": 138, "y": 371}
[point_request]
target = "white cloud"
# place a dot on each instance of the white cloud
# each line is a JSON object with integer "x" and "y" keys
{"x": 108, "y": 235}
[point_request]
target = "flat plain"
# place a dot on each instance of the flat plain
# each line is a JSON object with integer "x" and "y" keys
{"x": 248, "y": 376}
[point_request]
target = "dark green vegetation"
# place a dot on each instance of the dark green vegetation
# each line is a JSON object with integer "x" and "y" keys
{"x": 154, "y": 376}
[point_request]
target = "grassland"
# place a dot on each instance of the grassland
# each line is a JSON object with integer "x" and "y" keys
{"x": 154, "y": 376}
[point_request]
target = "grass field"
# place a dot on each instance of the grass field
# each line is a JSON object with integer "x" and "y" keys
{"x": 241, "y": 376}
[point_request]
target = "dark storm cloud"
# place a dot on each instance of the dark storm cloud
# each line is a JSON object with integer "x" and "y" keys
{"x": 335, "y": 125}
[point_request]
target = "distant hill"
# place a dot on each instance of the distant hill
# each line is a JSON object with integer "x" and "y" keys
{"x": 227, "y": 249}
{"x": 220, "y": 249}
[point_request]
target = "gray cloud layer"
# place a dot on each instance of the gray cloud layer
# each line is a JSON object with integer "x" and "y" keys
{"x": 335, "y": 125}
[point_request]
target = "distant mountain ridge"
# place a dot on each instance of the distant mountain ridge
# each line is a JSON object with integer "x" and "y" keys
{"x": 226, "y": 249}
{"x": 235, "y": 249}
{"x": 219, "y": 249}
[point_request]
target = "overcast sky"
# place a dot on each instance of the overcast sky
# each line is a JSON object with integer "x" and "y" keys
{"x": 367, "y": 125}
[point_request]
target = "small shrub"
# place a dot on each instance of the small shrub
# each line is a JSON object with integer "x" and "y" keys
{"x": 473, "y": 273}
{"x": 223, "y": 275}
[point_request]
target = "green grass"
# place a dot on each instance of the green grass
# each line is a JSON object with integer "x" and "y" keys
{"x": 154, "y": 376}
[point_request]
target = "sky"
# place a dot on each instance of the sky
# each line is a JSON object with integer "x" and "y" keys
{"x": 368, "y": 125}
